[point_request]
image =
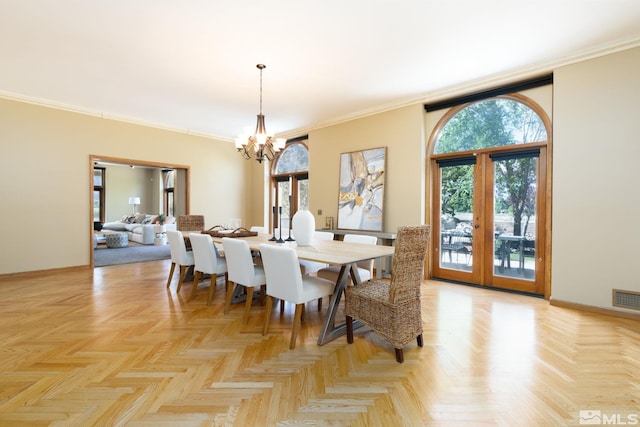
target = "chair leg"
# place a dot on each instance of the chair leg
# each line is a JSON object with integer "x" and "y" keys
{"x": 247, "y": 305}
{"x": 183, "y": 273}
{"x": 349, "y": 330}
{"x": 212, "y": 288}
{"x": 319, "y": 304}
{"x": 281, "y": 306}
{"x": 263, "y": 294}
{"x": 296, "y": 326}
{"x": 173, "y": 267}
{"x": 419, "y": 339}
{"x": 399, "y": 355}
{"x": 196, "y": 279}
{"x": 227, "y": 303}
{"x": 267, "y": 315}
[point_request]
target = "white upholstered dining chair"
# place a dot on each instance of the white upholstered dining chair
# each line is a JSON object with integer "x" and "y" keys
{"x": 206, "y": 261}
{"x": 310, "y": 267}
{"x": 241, "y": 271}
{"x": 179, "y": 256}
{"x": 285, "y": 282}
{"x": 365, "y": 268}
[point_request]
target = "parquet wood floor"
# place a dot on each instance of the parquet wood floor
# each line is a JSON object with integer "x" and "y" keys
{"x": 114, "y": 347}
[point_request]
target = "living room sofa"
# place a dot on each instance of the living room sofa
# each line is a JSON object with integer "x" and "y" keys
{"x": 140, "y": 228}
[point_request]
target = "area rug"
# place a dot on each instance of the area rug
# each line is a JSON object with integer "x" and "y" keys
{"x": 133, "y": 253}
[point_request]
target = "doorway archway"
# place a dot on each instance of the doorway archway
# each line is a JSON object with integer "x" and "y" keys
{"x": 180, "y": 194}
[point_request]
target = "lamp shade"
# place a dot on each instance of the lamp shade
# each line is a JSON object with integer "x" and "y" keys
{"x": 134, "y": 200}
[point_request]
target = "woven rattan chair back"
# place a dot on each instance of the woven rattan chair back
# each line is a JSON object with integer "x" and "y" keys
{"x": 407, "y": 268}
{"x": 190, "y": 223}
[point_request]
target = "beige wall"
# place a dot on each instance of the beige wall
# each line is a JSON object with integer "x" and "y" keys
{"x": 122, "y": 182}
{"x": 596, "y": 204}
{"x": 401, "y": 131}
{"x": 46, "y": 193}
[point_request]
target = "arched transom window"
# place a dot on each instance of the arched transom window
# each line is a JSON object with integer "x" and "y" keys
{"x": 490, "y": 123}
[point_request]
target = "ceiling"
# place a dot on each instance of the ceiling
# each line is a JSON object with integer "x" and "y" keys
{"x": 191, "y": 65}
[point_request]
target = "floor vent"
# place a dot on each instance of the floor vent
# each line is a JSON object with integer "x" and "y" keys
{"x": 626, "y": 299}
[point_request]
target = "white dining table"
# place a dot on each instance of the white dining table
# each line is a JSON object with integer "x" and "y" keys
{"x": 332, "y": 252}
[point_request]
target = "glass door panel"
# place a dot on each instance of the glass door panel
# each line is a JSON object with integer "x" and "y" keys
{"x": 284, "y": 203}
{"x": 456, "y": 207}
{"x": 454, "y": 255}
{"x": 514, "y": 217}
{"x": 303, "y": 194}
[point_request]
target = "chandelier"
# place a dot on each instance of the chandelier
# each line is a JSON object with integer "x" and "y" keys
{"x": 260, "y": 144}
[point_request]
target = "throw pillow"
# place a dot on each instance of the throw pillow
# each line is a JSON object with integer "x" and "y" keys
{"x": 150, "y": 219}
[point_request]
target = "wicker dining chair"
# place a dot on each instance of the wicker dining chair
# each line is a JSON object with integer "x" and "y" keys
{"x": 190, "y": 223}
{"x": 393, "y": 310}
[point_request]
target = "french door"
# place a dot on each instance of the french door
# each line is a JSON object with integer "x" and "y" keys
{"x": 491, "y": 206}
{"x": 291, "y": 195}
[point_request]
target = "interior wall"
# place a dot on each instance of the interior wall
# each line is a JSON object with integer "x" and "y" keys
{"x": 401, "y": 131}
{"x": 595, "y": 201}
{"x": 256, "y": 198}
{"x": 122, "y": 182}
{"x": 46, "y": 164}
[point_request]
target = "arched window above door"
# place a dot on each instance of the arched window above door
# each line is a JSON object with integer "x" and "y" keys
{"x": 490, "y": 123}
{"x": 294, "y": 158}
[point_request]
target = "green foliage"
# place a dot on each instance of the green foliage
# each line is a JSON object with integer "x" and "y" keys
{"x": 457, "y": 189}
{"x": 490, "y": 123}
{"x": 515, "y": 189}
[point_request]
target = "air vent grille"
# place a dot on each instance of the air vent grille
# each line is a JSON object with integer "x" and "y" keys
{"x": 626, "y": 299}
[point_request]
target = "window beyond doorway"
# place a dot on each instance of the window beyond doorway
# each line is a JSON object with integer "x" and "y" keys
{"x": 98, "y": 194}
{"x": 290, "y": 183}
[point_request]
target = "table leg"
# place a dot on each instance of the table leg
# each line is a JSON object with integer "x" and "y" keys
{"x": 521, "y": 255}
{"x": 329, "y": 330}
{"x": 502, "y": 255}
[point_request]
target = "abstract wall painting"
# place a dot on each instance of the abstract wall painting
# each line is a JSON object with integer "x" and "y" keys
{"x": 360, "y": 202}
